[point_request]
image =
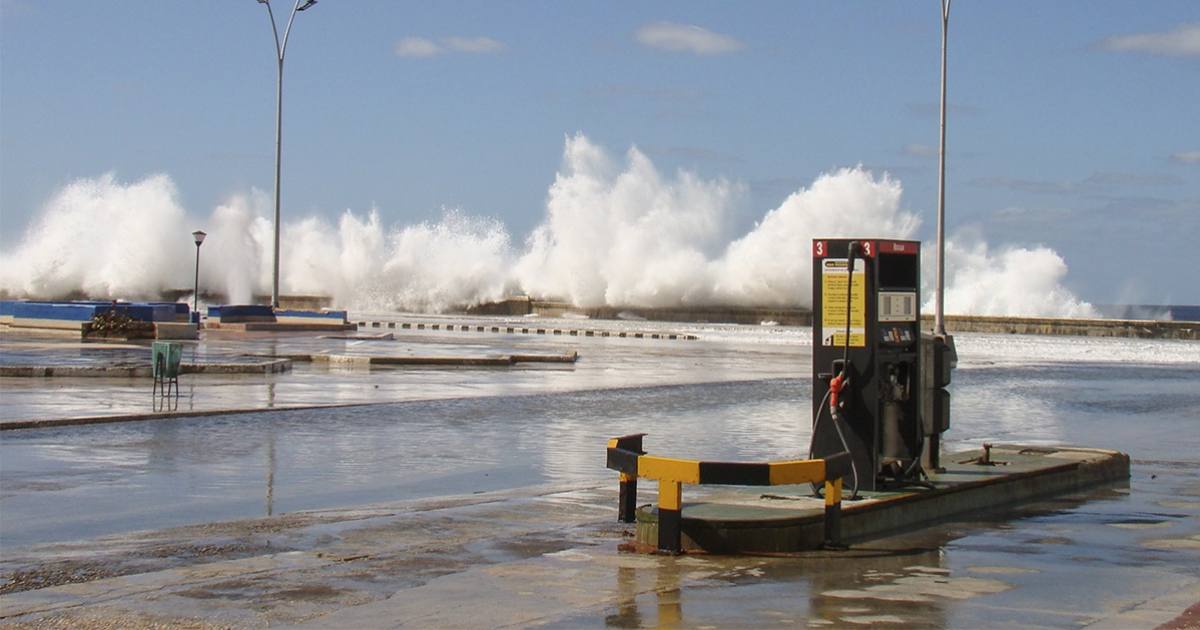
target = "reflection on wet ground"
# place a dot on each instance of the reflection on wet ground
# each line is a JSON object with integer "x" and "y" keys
{"x": 186, "y": 470}
{"x": 1112, "y": 553}
{"x": 604, "y": 363}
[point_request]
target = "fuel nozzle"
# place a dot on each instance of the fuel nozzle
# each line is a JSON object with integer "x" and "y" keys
{"x": 835, "y": 388}
{"x": 839, "y": 381}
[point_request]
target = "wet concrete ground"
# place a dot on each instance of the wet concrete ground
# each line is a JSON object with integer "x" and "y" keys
{"x": 616, "y": 362}
{"x": 482, "y": 542}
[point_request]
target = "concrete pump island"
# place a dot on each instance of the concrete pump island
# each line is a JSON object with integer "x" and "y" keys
{"x": 880, "y": 407}
{"x": 387, "y": 470}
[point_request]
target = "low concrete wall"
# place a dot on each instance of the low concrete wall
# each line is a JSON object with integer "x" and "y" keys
{"x": 1142, "y": 329}
{"x": 240, "y": 314}
{"x": 176, "y": 330}
{"x": 310, "y": 317}
{"x": 520, "y": 306}
{"x": 76, "y": 316}
{"x": 274, "y": 366}
{"x": 1146, "y": 329}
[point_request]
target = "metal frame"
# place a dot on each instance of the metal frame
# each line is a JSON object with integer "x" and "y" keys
{"x": 626, "y": 456}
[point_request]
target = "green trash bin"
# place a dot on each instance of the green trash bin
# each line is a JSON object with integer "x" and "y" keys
{"x": 166, "y": 356}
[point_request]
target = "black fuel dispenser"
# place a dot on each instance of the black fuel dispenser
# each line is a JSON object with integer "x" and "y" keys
{"x": 870, "y": 393}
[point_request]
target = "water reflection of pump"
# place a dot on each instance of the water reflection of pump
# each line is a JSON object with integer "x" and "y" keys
{"x": 870, "y": 392}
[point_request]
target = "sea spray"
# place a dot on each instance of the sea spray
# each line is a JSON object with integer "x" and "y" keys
{"x": 772, "y": 265}
{"x": 103, "y": 240}
{"x": 618, "y": 234}
{"x": 437, "y": 266}
{"x": 1012, "y": 281}
{"x": 237, "y": 253}
{"x": 625, "y": 237}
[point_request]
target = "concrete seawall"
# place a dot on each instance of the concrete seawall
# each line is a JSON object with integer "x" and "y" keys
{"x": 1142, "y": 329}
{"x": 1139, "y": 329}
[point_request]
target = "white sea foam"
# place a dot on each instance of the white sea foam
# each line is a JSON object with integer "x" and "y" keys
{"x": 615, "y": 232}
{"x": 101, "y": 239}
{"x": 1011, "y": 281}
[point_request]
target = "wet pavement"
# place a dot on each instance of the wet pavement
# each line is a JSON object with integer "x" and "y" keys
{"x": 616, "y": 362}
{"x": 479, "y": 498}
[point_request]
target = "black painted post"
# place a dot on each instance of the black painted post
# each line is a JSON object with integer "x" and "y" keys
{"x": 670, "y": 516}
{"x": 833, "y": 514}
{"x": 623, "y": 453}
{"x": 627, "y": 505}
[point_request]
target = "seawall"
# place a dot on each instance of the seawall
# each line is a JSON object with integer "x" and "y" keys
{"x": 1132, "y": 328}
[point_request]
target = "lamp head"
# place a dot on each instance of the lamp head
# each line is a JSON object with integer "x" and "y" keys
{"x": 306, "y": 5}
{"x": 198, "y": 235}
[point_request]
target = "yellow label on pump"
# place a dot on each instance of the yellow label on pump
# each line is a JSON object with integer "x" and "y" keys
{"x": 836, "y": 279}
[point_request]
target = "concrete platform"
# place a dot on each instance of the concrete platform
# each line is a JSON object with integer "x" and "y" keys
{"x": 288, "y": 326}
{"x": 790, "y": 518}
{"x": 267, "y": 366}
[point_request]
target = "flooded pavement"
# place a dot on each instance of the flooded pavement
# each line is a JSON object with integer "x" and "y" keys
{"x": 603, "y": 363}
{"x": 479, "y": 498}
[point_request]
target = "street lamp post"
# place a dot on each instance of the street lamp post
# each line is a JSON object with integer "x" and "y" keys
{"x": 198, "y": 236}
{"x": 939, "y": 318}
{"x": 280, "y": 48}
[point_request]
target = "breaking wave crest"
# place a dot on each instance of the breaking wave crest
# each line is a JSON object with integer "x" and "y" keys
{"x": 616, "y": 233}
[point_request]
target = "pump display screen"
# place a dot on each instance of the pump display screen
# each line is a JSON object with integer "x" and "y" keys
{"x": 897, "y": 306}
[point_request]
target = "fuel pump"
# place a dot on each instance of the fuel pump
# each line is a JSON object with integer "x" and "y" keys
{"x": 868, "y": 392}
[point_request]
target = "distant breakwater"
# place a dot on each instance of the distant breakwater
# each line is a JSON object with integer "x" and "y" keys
{"x": 1130, "y": 328}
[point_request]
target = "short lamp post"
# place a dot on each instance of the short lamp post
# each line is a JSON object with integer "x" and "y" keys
{"x": 199, "y": 238}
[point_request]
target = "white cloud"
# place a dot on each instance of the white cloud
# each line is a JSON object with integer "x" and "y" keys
{"x": 1186, "y": 157}
{"x": 1133, "y": 179}
{"x": 1181, "y": 41}
{"x": 1061, "y": 187}
{"x": 417, "y": 47}
{"x": 422, "y": 47}
{"x": 685, "y": 38}
{"x": 474, "y": 45}
{"x": 919, "y": 150}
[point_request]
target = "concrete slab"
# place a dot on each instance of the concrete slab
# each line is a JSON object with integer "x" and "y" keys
{"x": 791, "y": 519}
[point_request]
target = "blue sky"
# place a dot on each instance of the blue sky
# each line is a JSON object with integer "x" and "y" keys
{"x": 1071, "y": 125}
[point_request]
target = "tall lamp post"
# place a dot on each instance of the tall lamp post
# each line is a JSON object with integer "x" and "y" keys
{"x": 280, "y": 48}
{"x": 198, "y": 236}
{"x": 939, "y": 318}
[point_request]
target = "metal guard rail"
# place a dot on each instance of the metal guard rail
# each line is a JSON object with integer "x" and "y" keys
{"x": 625, "y": 455}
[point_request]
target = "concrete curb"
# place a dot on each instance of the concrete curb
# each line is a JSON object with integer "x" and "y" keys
{"x": 46, "y": 423}
{"x": 478, "y": 361}
{"x": 527, "y": 330}
{"x": 276, "y": 365}
{"x": 278, "y": 327}
{"x": 142, "y": 371}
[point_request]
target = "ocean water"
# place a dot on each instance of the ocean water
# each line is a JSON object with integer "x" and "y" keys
{"x": 1156, "y": 312}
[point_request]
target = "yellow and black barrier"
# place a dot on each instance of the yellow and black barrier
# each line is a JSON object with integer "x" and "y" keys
{"x": 625, "y": 455}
